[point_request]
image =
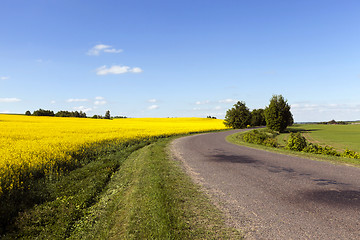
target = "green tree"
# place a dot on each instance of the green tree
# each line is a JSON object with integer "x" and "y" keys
{"x": 107, "y": 114}
{"x": 258, "y": 117}
{"x": 28, "y": 113}
{"x": 63, "y": 114}
{"x": 238, "y": 117}
{"x": 42, "y": 112}
{"x": 277, "y": 115}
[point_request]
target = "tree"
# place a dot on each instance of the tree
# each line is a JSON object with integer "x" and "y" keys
{"x": 82, "y": 114}
{"x": 70, "y": 114}
{"x": 42, "y": 112}
{"x": 238, "y": 117}
{"x": 28, "y": 113}
{"x": 258, "y": 117}
{"x": 97, "y": 117}
{"x": 277, "y": 115}
{"x": 63, "y": 114}
{"x": 107, "y": 114}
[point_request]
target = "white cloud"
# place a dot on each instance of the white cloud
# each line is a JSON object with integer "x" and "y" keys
{"x": 5, "y": 112}
{"x": 308, "y": 112}
{"x": 83, "y": 109}
{"x": 4, "y": 78}
{"x": 53, "y": 102}
{"x": 100, "y": 102}
{"x": 113, "y": 50}
{"x": 136, "y": 70}
{"x": 117, "y": 69}
{"x": 77, "y": 100}
{"x": 217, "y": 108}
{"x": 97, "y": 49}
{"x": 152, "y": 100}
{"x": 228, "y": 100}
{"x": 152, "y": 107}
{"x": 9, "y": 100}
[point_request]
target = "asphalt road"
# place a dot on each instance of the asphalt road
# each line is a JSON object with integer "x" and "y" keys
{"x": 273, "y": 196}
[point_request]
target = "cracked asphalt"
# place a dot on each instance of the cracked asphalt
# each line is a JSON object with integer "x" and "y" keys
{"x": 273, "y": 196}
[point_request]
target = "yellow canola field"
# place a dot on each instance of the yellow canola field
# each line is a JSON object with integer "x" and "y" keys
{"x": 32, "y": 145}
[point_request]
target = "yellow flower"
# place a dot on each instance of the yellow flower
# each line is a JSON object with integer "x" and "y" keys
{"x": 31, "y": 145}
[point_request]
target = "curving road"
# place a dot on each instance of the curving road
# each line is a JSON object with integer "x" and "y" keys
{"x": 273, "y": 196}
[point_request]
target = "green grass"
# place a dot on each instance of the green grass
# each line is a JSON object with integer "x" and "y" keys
{"x": 138, "y": 192}
{"x": 151, "y": 197}
{"x": 237, "y": 139}
{"x": 52, "y": 207}
{"x": 338, "y": 136}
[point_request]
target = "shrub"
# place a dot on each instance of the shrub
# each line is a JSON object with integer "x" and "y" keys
{"x": 296, "y": 142}
{"x": 329, "y": 151}
{"x": 255, "y": 137}
{"x": 317, "y": 149}
{"x": 350, "y": 154}
{"x": 261, "y": 137}
{"x": 312, "y": 148}
{"x": 270, "y": 142}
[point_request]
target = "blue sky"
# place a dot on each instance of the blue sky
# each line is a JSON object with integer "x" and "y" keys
{"x": 180, "y": 58}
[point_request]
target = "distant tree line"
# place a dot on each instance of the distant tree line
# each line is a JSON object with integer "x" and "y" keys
{"x": 70, "y": 114}
{"x": 107, "y": 116}
{"x": 276, "y": 116}
{"x": 211, "y": 117}
{"x": 49, "y": 113}
{"x": 334, "y": 122}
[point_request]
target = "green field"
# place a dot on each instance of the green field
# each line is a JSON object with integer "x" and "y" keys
{"x": 338, "y": 136}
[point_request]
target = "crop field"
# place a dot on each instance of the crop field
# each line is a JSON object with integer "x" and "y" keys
{"x": 338, "y": 136}
{"x": 32, "y": 147}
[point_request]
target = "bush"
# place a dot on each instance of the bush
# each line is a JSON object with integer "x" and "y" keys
{"x": 312, "y": 148}
{"x": 263, "y": 138}
{"x": 350, "y": 154}
{"x": 270, "y": 142}
{"x": 329, "y": 151}
{"x": 255, "y": 137}
{"x": 296, "y": 142}
{"x": 317, "y": 149}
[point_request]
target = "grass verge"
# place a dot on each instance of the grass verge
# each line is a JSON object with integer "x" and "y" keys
{"x": 151, "y": 197}
{"x": 50, "y": 209}
{"x": 237, "y": 138}
{"x": 136, "y": 193}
